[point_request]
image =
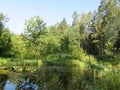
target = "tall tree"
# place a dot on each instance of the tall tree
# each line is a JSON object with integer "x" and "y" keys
{"x": 102, "y": 25}
{"x": 35, "y": 28}
{"x": 85, "y": 19}
{"x": 117, "y": 27}
{"x": 5, "y": 38}
{"x": 63, "y": 27}
{"x": 79, "y": 30}
{"x": 75, "y": 29}
{"x": 75, "y": 23}
{"x": 2, "y": 19}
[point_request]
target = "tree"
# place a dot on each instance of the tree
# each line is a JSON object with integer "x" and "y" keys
{"x": 35, "y": 28}
{"x": 5, "y": 38}
{"x": 117, "y": 27}
{"x": 75, "y": 29}
{"x": 79, "y": 30}
{"x": 85, "y": 19}
{"x": 52, "y": 41}
{"x": 2, "y": 19}
{"x": 18, "y": 46}
{"x": 75, "y": 23}
{"x": 63, "y": 27}
{"x": 64, "y": 46}
{"x": 103, "y": 25}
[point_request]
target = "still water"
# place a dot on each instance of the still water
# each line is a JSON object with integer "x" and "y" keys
{"x": 59, "y": 79}
{"x": 45, "y": 79}
{"x": 51, "y": 79}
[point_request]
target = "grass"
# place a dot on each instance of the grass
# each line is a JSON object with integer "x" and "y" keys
{"x": 2, "y": 72}
{"x": 16, "y": 64}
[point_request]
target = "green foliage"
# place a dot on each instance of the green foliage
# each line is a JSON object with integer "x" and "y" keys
{"x": 104, "y": 24}
{"x": 18, "y": 49}
{"x": 5, "y": 38}
{"x": 63, "y": 27}
{"x": 90, "y": 47}
{"x": 34, "y": 32}
{"x": 64, "y": 44}
{"x": 89, "y": 33}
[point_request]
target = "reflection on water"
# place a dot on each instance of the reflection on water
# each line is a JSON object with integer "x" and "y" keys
{"x": 9, "y": 86}
{"x": 3, "y": 80}
{"x": 55, "y": 78}
{"x": 45, "y": 79}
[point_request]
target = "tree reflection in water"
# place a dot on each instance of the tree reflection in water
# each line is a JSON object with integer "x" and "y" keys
{"x": 40, "y": 80}
{"x": 3, "y": 80}
{"x": 51, "y": 79}
{"x": 54, "y": 79}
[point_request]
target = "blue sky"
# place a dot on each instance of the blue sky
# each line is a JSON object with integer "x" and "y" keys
{"x": 51, "y": 11}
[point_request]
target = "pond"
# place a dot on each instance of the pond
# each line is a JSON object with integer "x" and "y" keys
{"x": 41, "y": 79}
{"x": 49, "y": 79}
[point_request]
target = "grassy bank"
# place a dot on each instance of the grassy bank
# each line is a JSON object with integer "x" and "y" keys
{"x": 86, "y": 62}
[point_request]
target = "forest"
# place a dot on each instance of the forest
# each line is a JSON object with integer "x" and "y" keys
{"x": 91, "y": 44}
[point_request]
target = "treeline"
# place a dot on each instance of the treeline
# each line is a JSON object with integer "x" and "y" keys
{"x": 94, "y": 33}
